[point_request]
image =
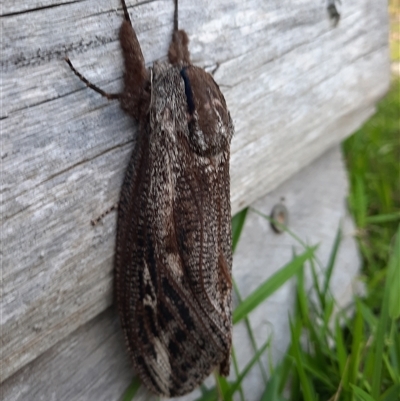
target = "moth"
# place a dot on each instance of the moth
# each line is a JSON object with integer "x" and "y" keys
{"x": 173, "y": 250}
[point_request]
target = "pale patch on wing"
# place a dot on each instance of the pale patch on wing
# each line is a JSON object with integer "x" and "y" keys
{"x": 149, "y": 298}
{"x": 161, "y": 364}
{"x": 174, "y": 264}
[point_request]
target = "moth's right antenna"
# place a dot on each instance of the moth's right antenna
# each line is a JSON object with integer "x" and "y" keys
{"x": 178, "y": 53}
{"x": 176, "y": 16}
{"x": 126, "y": 13}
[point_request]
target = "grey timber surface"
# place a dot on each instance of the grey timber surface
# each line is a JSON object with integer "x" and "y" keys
{"x": 295, "y": 87}
{"x": 91, "y": 364}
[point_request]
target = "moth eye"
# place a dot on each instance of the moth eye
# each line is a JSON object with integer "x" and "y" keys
{"x": 188, "y": 91}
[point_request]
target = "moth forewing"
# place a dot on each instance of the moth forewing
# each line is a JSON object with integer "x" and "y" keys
{"x": 177, "y": 240}
{"x": 173, "y": 250}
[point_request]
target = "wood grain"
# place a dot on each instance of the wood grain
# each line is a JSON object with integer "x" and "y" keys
{"x": 295, "y": 86}
{"x": 91, "y": 364}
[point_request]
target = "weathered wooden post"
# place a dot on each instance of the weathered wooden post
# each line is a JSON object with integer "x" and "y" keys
{"x": 295, "y": 85}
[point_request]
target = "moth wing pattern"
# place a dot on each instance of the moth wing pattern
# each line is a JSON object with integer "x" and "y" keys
{"x": 173, "y": 263}
{"x": 173, "y": 258}
{"x": 173, "y": 250}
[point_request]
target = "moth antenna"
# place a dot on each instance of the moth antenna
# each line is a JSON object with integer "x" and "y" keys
{"x": 178, "y": 52}
{"x": 176, "y": 16}
{"x": 126, "y": 13}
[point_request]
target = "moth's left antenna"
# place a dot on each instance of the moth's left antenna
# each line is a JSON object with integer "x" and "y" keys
{"x": 176, "y": 16}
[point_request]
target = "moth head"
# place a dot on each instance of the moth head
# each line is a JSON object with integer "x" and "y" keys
{"x": 210, "y": 127}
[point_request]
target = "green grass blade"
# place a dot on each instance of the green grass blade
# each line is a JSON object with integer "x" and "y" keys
{"x": 326, "y": 319}
{"x": 237, "y": 225}
{"x": 395, "y": 378}
{"x": 383, "y": 218}
{"x": 394, "y": 279}
{"x": 302, "y": 312}
{"x": 271, "y": 285}
{"x": 317, "y": 373}
{"x": 305, "y": 315}
{"x": 272, "y": 389}
{"x": 391, "y": 394}
{"x": 308, "y": 392}
{"x": 132, "y": 389}
{"x": 223, "y": 387}
{"x": 361, "y": 394}
{"x": 356, "y": 346}
{"x": 236, "y": 369}
{"x": 380, "y": 340}
{"x": 315, "y": 282}
{"x": 250, "y": 333}
{"x": 360, "y": 202}
{"x": 331, "y": 262}
{"x": 295, "y": 388}
{"x": 368, "y": 315}
{"x": 235, "y": 386}
{"x": 394, "y": 350}
{"x": 340, "y": 348}
{"x": 285, "y": 373}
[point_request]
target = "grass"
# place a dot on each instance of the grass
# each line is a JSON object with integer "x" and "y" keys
{"x": 373, "y": 157}
{"x": 394, "y": 12}
{"x": 354, "y": 358}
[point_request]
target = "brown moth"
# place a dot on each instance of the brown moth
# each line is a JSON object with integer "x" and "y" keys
{"x": 173, "y": 251}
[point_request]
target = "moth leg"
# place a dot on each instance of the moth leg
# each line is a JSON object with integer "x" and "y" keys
{"x": 109, "y": 210}
{"x": 136, "y": 76}
{"x": 178, "y": 52}
{"x": 109, "y": 96}
{"x": 215, "y": 69}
